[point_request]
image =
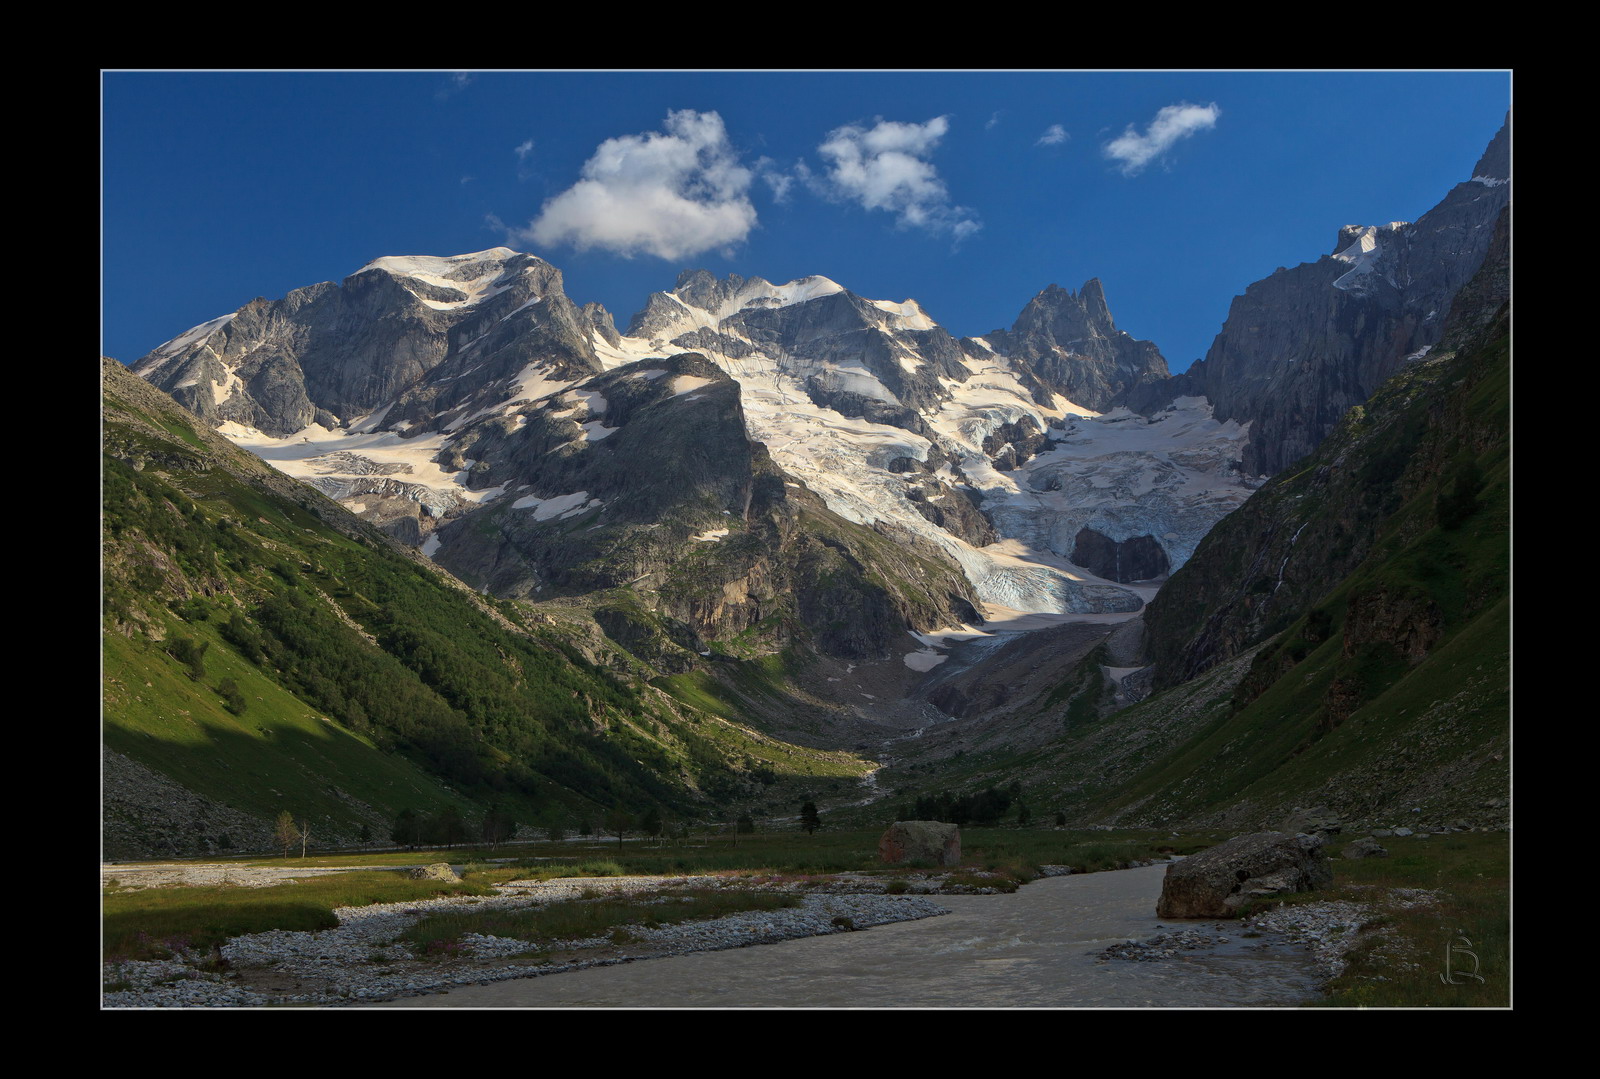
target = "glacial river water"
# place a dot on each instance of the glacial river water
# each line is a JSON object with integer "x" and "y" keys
{"x": 1035, "y": 948}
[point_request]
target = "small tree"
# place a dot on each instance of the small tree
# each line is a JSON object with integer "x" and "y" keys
{"x": 450, "y": 828}
{"x": 810, "y": 820}
{"x": 555, "y": 829}
{"x": 618, "y": 822}
{"x": 650, "y": 824}
{"x": 407, "y": 830}
{"x": 498, "y": 826}
{"x": 232, "y": 696}
{"x": 191, "y": 654}
{"x": 285, "y": 833}
{"x": 746, "y": 823}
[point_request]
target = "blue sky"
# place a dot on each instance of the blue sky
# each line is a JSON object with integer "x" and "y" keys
{"x": 967, "y": 191}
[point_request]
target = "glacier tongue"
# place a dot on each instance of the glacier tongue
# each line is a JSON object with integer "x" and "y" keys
{"x": 1170, "y": 477}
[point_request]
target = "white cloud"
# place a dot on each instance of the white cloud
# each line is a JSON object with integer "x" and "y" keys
{"x": 1134, "y": 151}
{"x": 671, "y": 194}
{"x": 524, "y": 152}
{"x": 1054, "y": 135}
{"x": 994, "y": 119}
{"x": 886, "y": 167}
{"x": 779, "y": 181}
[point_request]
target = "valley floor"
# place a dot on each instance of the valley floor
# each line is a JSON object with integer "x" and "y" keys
{"x": 1079, "y": 941}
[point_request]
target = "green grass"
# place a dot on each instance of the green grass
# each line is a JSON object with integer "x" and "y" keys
{"x": 440, "y": 935}
{"x": 1401, "y": 955}
{"x": 1017, "y": 851}
{"x": 738, "y": 700}
{"x": 280, "y": 754}
{"x": 1402, "y": 966}
{"x": 154, "y": 922}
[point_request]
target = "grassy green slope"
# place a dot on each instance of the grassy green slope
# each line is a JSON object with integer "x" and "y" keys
{"x": 1392, "y": 689}
{"x": 268, "y": 651}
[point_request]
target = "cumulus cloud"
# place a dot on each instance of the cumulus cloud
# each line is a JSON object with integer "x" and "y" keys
{"x": 1054, "y": 135}
{"x": 671, "y": 194}
{"x": 886, "y": 167}
{"x": 1134, "y": 151}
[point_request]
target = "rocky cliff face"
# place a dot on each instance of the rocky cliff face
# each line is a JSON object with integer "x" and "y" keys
{"x": 1302, "y": 346}
{"x": 1303, "y": 532}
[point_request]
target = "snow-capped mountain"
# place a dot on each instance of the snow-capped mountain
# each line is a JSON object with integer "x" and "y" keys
{"x": 888, "y": 417}
{"x": 423, "y": 391}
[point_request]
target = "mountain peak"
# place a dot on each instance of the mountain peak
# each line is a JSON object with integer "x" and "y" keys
{"x": 453, "y": 266}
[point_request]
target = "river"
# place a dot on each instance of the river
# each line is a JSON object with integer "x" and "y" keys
{"x": 1035, "y": 948}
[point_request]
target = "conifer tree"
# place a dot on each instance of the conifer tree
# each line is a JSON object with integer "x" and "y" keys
{"x": 285, "y": 833}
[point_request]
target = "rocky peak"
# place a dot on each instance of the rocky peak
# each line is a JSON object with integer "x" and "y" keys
{"x": 1068, "y": 317}
{"x": 598, "y": 319}
{"x": 1070, "y": 342}
{"x": 700, "y": 288}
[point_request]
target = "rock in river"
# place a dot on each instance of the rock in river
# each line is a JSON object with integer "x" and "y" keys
{"x": 1216, "y": 882}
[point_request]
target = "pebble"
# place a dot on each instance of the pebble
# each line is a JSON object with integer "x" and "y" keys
{"x": 1328, "y": 929}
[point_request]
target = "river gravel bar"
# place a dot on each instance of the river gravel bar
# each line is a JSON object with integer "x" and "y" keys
{"x": 362, "y": 960}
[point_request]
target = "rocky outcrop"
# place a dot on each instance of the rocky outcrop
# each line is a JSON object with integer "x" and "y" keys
{"x": 1139, "y": 558}
{"x": 1216, "y": 882}
{"x": 920, "y": 841}
{"x": 598, "y": 319}
{"x": 953, "y": 509}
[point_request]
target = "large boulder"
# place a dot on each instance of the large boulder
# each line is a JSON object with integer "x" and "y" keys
{"x": 921, "y": 840}
{"x": 436, "y": 871}
{"x": 1215, "y": 883}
